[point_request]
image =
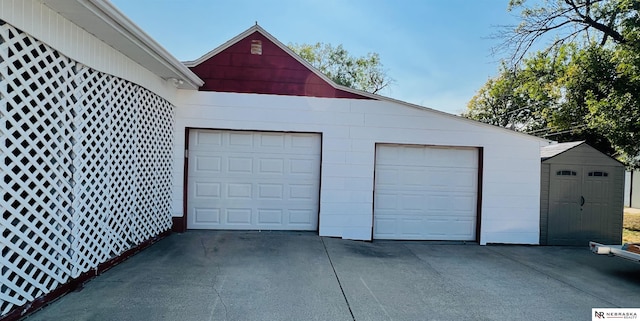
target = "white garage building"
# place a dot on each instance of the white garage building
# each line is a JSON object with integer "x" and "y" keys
{"x": 109, "y": 143}
{"x": 268, "y": 150}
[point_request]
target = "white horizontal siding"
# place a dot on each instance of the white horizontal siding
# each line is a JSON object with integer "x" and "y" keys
{"x": 41, "y": 22}
{"x": 350, "y": 130}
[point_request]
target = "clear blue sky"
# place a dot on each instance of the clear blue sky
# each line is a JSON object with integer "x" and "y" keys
{"x": 438, "y": 51}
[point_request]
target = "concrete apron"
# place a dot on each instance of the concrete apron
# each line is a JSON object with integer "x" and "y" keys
{"x": 223, "y": 275}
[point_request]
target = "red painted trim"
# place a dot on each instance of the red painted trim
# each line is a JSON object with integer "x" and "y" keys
{"x": 373, "y": 190}
{"x": 479, "y": 199}
{"x": 180, "y": 222}
{"x": 76, "y": 284}
{"x": 179, "y": 225}
{"x": 320, "y": 181}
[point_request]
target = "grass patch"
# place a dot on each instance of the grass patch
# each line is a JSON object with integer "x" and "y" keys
{"x": 631, "y": 228}
{"x": 629, "y": 236}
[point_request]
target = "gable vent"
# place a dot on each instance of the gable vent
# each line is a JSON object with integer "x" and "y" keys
{"x": 256, "y": 47}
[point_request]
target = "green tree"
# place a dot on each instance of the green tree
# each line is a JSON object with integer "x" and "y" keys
{"x": 569, "y": 21}
{"x": 590, "y": 94}
{"x": 500, "y": 102}
{"x": 609, "y": 89}
{"x": 364, "y": 73}
{"x": 521, "y": 98}
{"x": 583, "y": 85}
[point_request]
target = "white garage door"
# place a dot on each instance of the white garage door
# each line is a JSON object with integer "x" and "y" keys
{"x": 246, "y": 180}
{"x": 425, "y": 193}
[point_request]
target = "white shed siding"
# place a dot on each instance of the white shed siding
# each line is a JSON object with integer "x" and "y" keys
{"x": 635, "y": 189}
{"x": 627, "y": 188}
{"x": 46, "y": 25}
{"x": 350, "y": 129}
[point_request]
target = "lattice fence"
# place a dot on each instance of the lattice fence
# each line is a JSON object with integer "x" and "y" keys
{"x": 85, "y": 167}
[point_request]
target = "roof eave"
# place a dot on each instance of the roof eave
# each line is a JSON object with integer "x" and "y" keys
{"x": 162, "y": 63}
{"x": 317, "y": 72}
{"x": 578, "y": 143}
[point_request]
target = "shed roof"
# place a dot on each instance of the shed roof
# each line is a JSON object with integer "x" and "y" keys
{"x": 550, "y": 151}
{"x": 107, "y": 23}
{"x": 576, "y": 152}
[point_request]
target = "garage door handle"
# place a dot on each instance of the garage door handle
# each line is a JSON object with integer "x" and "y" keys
{"x": 581, "y": 200}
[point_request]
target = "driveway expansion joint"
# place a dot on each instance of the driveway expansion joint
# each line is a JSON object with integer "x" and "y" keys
{"x": 337, "y": 279}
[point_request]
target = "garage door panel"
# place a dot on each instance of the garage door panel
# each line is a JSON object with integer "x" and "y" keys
{"x": 464, "y": 178}
{"x": 442, "y": 157}
{"x": 207, "y": 190}
{"x": 206, "y": 215}
{"x": 207, "y": 164}
{"x": 412, "y": 202}
{"x": 413, "y": 177}
{"x": 272, "y": 140}
{"x": 239, "y": 191}
{"x": 386, "y": 176}
{"x": 240, "y": 165}
{"x": 253, "y": 180}
{"x": 301, "y": 217}
{"x": 208, "y": 138}
{"x": 386, "y": 201}
{"x": 425, "y": 193}
{"x": 271, "y": 166}
{"x": 247, "y": 218}
{"x": 411, "y": 228}
{"x": 439, "y": 203}
{"x": 270, "y": 216}
{"x": 240, "y": 139}
{"x": 302, "y": 142}
{"x": 420, "y": 228}
{"x": 464, "y": 204}
{"x": 271, "y": 191}
{"x": 386, "y": 227}
{"x": 451, "y": 228}
{"x": 238, "y": 216}
{"x": 437, "y": 178}
{"x": 451, "y": 203}
{"x": 302, "y": 191}
{"x": 302, "y": 167}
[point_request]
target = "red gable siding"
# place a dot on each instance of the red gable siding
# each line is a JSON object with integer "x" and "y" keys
{"x": 236, "y": 69}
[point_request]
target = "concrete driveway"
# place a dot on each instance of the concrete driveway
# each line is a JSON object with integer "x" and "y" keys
{"x": 218, "y": 275}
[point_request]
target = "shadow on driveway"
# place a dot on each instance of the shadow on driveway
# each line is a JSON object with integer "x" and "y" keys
{"x": 231, "y": 275}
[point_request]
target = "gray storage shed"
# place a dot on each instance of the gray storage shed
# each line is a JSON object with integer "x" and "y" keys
{"x": 581, "y": 197}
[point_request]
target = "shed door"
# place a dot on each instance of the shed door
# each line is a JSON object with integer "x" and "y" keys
{"x": 249, "y": 180}
{"x": 565, "y": 192}
{"x": 425, "y": 193}
{"x": 580, "y": 204}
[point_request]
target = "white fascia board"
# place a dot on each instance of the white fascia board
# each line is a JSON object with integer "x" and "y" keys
{"x": 117, "y": 30}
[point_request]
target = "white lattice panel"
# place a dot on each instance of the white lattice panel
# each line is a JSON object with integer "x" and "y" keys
{"x": 91, "y": 169}
{"x": 35, "y": 168}
{"x": 155, "y": 140}
{"x": 85, "y": 166}
{"x": 123, "y": 166}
